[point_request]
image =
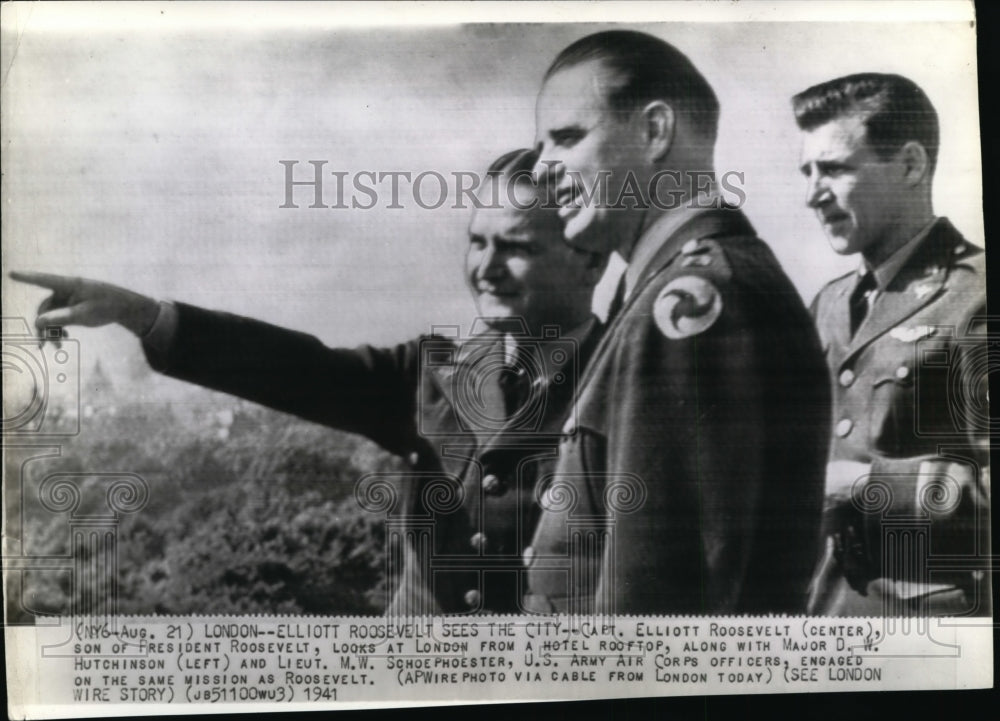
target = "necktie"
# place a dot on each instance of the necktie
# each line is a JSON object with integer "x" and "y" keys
{"x": 515, "y": 380}
{"x": 860, "y": 300}
{"x": 617, "y": 302}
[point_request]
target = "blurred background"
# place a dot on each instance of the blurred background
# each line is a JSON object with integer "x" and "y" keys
{"x": 148, "y": 156}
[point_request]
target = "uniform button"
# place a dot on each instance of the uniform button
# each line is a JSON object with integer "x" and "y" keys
{"x": 902, "y": 373}
{"x": 847, "y": 377}
{"x": 844, "y": 427}
{"x": 491, "y": 484}
{"x": 528, "y": 556}
{"x": 472, "y": 598}
{"x": 413, "y": 458}
{"x": 478, "y": 541}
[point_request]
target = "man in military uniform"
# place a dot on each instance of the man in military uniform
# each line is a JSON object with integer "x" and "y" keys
{"x": 904, "y": 335}
{"x": 689, "y": 477}
{"x": 477, "y": 421}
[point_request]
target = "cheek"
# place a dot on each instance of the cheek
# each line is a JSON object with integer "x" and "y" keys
{"x": 845, "y": 190}
{"x": 520, "y": 269}
{"x": 471, "y": 262}
{"x": 871, "y": 190}
{"x": 585, "y": 158}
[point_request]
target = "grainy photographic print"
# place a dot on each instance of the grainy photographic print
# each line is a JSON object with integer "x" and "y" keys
{"x": 388, "y": 354}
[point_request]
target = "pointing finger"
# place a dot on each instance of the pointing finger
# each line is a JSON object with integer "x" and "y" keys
{"x": 58, "y": 283}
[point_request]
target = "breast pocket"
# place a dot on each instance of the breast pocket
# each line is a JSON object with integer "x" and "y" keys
{"x": 892, "y": 417}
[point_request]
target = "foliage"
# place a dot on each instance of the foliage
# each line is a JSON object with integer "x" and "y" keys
{"x": 248, "y": 511}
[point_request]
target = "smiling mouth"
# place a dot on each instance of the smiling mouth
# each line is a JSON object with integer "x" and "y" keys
{"x": 569, "y": 205}
{"x": 495, "y": 292}
{"x": 567, "y": 198}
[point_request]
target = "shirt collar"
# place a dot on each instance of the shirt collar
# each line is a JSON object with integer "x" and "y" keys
{"x": 887, "y": 271}
{"x": 660, "y": 231}
{"x": 577, "y": 335}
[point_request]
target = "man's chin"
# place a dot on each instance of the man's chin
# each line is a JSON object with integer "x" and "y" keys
{"x": 589, "y": 231}
{"x": 498, "y": 317}
{"x": 504, "y": 323}
{"x": 841, "y": 245}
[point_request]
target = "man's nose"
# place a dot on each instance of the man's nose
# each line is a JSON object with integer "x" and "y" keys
{"x": 490, "y": 263}
{"x": 548, "y": 166}
{"x": 817, "y": 192}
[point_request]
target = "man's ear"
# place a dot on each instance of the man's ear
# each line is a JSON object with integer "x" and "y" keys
{"x": 915, "y": 161}
{"x": 659, "y": 125}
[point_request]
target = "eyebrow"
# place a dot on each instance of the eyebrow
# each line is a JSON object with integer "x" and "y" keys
{"x": 827, "y": 164}
{"x": 566, "y": 130}
{"x": 518, "y": 238}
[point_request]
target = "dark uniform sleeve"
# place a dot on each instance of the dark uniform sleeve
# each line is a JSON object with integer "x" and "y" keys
{"x": 366, "y": 390}
{"x": 726, "y": 429}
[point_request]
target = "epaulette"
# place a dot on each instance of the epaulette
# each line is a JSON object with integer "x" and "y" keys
{"x": 967, "y": 255}
{"x": 706, "y": 257}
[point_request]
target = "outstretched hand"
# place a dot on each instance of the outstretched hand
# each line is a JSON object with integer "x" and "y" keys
{"x": 78, "y": 301}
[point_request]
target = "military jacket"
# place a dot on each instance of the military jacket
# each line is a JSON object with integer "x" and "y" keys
{"x": 690, "y": 472}
{"x": 458, "y": 522}
{"x": 910, "y": 399}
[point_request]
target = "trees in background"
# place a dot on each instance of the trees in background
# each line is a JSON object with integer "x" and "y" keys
{"x": 249, "y": 511}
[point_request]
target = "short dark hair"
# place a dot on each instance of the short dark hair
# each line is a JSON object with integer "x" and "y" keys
{"x": 649, "y": 69}
{"x": 518, "y": 167}
{"x": 514, "y": 161}
{"x": 895, "y": 111}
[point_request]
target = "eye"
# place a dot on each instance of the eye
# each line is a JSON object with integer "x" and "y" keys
{"x": 833, "y": 169}
{"x": 567, "y": 138}
{"x": 513, "y": 247}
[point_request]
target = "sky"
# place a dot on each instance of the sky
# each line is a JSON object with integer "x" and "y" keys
{"x": 148, "y": 155}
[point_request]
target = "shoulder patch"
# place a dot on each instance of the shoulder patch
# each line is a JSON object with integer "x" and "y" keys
{"x": 687, "y": 305}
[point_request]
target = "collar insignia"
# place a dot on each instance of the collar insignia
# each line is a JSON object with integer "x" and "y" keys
{"x": 910, "y": 335}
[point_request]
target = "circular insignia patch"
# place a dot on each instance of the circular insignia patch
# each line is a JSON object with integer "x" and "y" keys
{"x": 687, "y": 306}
